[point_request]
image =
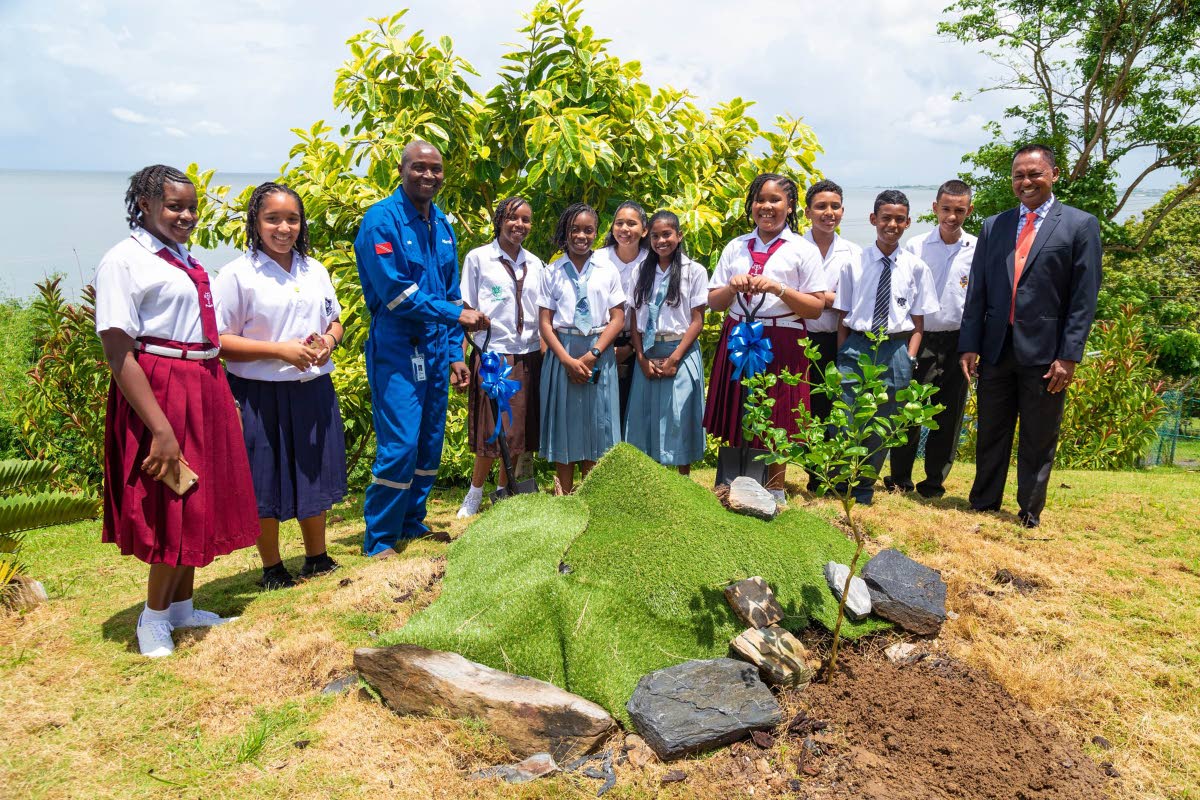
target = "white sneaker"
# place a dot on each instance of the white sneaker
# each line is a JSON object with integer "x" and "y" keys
{"x": 202, "y": 619}
{"x": 470, "y": 505}
{"x": 154, "y": 639}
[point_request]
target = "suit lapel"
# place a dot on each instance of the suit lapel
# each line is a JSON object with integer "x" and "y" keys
{"x": 1044, "y": 233}
{"x": 1006, "y": 231}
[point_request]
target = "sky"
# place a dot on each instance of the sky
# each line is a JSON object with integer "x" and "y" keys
{"x": 87, "y": 84}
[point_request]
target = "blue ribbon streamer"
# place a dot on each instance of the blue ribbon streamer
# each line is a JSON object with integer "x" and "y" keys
{"x": 749, "y": 352}
{"x": 493, "y": 378}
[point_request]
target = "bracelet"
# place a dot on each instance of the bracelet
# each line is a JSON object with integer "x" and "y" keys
{"x": 782, "y": 289}
{"x": 336, "y": 343}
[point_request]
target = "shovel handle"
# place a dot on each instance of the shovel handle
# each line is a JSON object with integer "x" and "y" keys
{"x": 748, "y": 313}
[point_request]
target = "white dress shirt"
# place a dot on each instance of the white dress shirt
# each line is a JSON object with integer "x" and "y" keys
{"x": 950, "y": 266}
{"x": 488, "y": 287}
{"x": 912, "y": 290}
{"x": 1041, "y": 212}
{"x": 557, "y": 293}
{"x": 260, "y": 300}
{"x": 144, "y": 295}
{"x": 693, "y": 292}
{"x": 841, "y": 252}
{"x": 796, "y": 265}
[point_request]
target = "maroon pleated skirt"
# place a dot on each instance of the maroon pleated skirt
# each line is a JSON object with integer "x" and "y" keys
{"x": 143, "y": 516}
{"x": 522, "y": 431}
{"x": 722, "y": 413}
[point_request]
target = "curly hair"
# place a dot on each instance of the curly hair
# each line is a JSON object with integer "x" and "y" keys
{"x": 148, "y": 183}
{"x": 254, "y": 208}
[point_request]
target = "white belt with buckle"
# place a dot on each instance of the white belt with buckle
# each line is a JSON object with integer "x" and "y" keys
{"x": 778, "y": 322}
{"x": 175, "y": 352}
{"x": 576, "y": 332}
{"x": 668, "y": 337}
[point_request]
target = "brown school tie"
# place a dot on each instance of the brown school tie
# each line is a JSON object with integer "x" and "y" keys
{"x": 519, "y": 283}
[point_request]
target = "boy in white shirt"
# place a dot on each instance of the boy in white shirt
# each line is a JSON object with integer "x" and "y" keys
{"x": 890, "y": 291}
{"x": 948, "y": 251}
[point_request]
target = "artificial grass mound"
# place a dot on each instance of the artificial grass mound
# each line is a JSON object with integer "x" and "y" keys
{"x": 591, "y": 592}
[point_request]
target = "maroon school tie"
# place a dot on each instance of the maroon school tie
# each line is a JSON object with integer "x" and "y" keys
{"x": 519, "y": 286}
{"x": 759, "y": 259}
{"x": 208, "y": 314}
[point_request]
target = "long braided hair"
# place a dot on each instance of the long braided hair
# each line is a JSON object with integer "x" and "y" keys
{"x": 148, "y": 183}
{"x": 789, "y": 188}
{"x": 254, "y": 208}
{"x": 565, "y": 220}
{"x": 508, "y": 206}
{"x": 645, "y": 279}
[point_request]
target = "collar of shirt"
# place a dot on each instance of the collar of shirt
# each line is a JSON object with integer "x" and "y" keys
{"x": 409, "y": 211}
{"x": 875, "y": 254}
{"x": 838, "y": 245}
{"x": 151, "y": 242}
{"x": 1041, "y": 210}
{"x": 260, "y": 260}
{"x": 757, "y": 243}
{"x": 498, "y": 254}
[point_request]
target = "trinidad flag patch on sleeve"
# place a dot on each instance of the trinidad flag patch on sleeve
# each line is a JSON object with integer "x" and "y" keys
{"x": 383, "y": 249}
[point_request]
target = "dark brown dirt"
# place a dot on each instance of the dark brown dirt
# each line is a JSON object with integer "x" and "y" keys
{"x": 937, "y": 729}
{"x": 931, "y": 730}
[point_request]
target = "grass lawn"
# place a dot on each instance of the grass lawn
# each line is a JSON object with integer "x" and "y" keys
{"x": 1106, "y": 646}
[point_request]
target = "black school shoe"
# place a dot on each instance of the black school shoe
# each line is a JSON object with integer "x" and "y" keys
{"x": 277, "y": 577}
{"x": 1027, "y": 520}
{"x": 318, "y": 565}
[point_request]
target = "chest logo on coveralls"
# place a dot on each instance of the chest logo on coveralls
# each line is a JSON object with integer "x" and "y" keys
{"x": 383, "y": 249}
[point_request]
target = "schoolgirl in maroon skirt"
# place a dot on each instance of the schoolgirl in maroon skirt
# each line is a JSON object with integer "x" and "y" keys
{"x": 169, "y": 407}
{"x": 775, "y": 265}
{"x": 279, "y": 320}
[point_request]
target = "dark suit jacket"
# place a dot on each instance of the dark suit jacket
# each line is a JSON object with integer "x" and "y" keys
{"x": 1056, "y": 296}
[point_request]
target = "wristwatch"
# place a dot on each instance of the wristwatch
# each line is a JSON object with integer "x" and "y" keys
{"x": 595, "y": 351}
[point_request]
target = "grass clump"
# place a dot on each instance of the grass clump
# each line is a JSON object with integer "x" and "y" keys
{"x": 647, "y": 554}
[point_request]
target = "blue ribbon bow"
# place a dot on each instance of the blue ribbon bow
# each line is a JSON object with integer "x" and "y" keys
{"x": 493, "y": 378}
{"x": 749, "y": 352}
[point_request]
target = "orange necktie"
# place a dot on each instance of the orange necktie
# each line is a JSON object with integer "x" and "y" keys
{"x": 1024, "y": 243}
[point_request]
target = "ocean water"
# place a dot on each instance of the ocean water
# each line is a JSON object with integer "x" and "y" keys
{"x": 63, "y": 222}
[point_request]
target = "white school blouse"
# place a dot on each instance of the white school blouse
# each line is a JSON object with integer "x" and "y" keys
{"x": 950, "y": 266}
{"x": 796, "y": 264}
{"x": 487, "y": 287}
{"x": 626, "y": 269}
{"x": 144, "y": 295}
{"x": 841, "y": 252}
{"x": 260, "y": 300}
{"x": 693, "y": 291}
{"x": 557, "y": 293}
{"x": 912, "y": 290}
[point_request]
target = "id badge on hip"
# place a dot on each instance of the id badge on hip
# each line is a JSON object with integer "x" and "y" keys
{"x": 418, "y": 366}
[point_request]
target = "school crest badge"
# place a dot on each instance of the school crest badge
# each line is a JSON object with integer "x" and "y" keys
{"x": 902, "y": 302}
{"x": 328, "y": 306}
{"x": 962, "y": 282}
{"x": 497, "y": 292}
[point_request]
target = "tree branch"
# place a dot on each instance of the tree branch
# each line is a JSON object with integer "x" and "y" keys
{"x": 1191, "y": 189}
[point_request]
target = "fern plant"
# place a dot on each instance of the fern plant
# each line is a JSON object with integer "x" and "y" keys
{"x": 22, "y": 510}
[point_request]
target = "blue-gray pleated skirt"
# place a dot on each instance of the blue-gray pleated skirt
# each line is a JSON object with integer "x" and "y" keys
{"x": 296, "y": 444}
{"x": 579, "y": 421}
{"x": 666, "y": 415}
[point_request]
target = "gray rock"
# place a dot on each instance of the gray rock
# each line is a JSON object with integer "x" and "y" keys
{"x": 536, "y": 766}
{"x": 699, "y": 705}
{"x": 24, "y": 593}
{"x": 907, "y": 593}
{"x": 747, "y": 496}
{"x": 858, "y": 605}
{"x": 902, "y": 653}
{"x": 342, "y": 684}
{"x": 754, "y": 602}
{"x": 531, "y": 716}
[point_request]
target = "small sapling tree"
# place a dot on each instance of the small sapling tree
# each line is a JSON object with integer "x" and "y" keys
{"x": 838, "y": 450}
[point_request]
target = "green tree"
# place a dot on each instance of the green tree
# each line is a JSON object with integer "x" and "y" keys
{"x": 566, "y": 121}
{"x": 838, "y": 449}
{"x": 1110, "y": 85}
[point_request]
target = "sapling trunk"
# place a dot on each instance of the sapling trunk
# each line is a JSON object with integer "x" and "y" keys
{"x": 841, "y": 612}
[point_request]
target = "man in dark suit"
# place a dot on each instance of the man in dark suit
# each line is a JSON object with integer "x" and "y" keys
{"x": 1032, "y": 294}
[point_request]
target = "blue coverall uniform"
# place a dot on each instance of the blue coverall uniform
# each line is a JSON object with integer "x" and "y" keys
{"x": 408, "y": 267}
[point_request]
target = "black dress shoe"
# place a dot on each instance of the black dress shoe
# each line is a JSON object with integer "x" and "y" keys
{"x": 1028, "y": 520}
{"x": 985, "y": 509}
{"x": 892, "y": 485}
{"x": 277, "y": 577}
{"x": 930, "y": 492}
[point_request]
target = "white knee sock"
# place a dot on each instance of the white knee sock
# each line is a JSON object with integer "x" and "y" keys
{"x": 150, "y": 615}
{"x": 180, "y": 611}
{"x": 475, "y": 492}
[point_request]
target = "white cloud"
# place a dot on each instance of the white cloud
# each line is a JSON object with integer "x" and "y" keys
{"x": 210, "y": 128}
{"x": 171, "y": 130}
{"x": 942, "y": 119}
{"x": 132, "y": 117}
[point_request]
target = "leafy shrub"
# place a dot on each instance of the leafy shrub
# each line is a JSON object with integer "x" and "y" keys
{"x": 61, "y": 405}
{"x": 16, "y": 357}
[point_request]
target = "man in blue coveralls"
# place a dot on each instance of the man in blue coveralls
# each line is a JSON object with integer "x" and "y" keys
{"x": 408, "y": 265}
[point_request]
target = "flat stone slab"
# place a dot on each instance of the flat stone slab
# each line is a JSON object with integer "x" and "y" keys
{"x": 747, "y": 496}
{"x": 858, "y": 605}
{"x": 754, "y": 602}
{"x": 779, "y": 656}
{"x": 531, "y": 716}
{"x": 699, "y": 705}
{"x": 536, "y": 766}
{"x": 907, "y": 593}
